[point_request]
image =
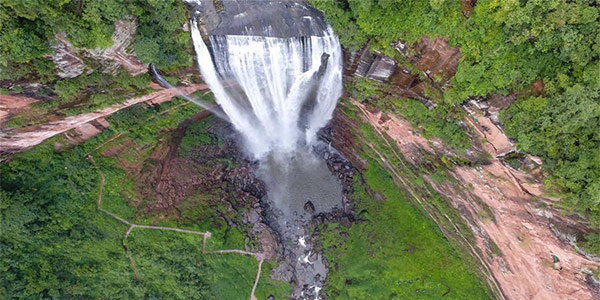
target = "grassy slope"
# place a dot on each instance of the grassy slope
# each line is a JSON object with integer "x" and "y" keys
{"x": 506, "y": 47}
{"x": 55, "y": 244}
{"x": 395, "y": 251}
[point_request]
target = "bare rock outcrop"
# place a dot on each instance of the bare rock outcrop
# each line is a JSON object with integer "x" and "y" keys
{"x": 120, "y": 54}
{"x": 12, "y": 104}
{"x": 25, "y": 138}
{"x": 435, "y": 59}
{"x": 515, "y": 233}
{"x": 374, "y": 66}
{"x": 69, "y": 59}
{"x": 66, "y": 58}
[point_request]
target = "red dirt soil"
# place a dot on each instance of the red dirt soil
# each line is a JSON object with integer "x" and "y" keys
{"x": 520, "y": 228}
{"x": 29, "y": 137}
{"x": 10, "y": 105}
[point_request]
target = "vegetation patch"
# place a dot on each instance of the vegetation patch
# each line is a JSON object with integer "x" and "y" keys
{"x": 506, "y": 47}
{"x": 395, "y": 250}
{"x": 56, "y": 244}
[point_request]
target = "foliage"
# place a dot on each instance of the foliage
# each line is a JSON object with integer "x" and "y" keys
{"x": 564, "y": 130}
{"x": 364, "y": 89}
{"x": 504, "y": 44}
{"x": 54, "y": 244}
{"x": 394, "y": 252}
{"x": 592, "y": 245}
{"x": 440, "y": 122}
{"x": 27, "y": 31}
{"x": 160, "y": 38}
{"x": 82, "y": 94}
{"x": 434, "y": 122}
{"x": 505, "y": 47}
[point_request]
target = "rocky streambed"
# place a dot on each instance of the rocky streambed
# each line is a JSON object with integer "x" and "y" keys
{"x": 278, "y": 201}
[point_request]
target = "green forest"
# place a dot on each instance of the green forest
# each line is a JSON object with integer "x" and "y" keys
{"x": 55, "y": 244}
{"x": 505, "y": 46}
{"x": 27, "y": 31}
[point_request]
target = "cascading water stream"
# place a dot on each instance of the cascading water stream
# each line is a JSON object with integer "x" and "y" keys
{"x": 276, "y": 97}
{"x": 278, "y": 92}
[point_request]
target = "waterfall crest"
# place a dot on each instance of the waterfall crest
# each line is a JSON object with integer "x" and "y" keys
{"x": 274, "y": 91}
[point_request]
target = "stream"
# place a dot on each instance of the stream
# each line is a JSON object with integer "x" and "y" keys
{"x": 275, "y": 68}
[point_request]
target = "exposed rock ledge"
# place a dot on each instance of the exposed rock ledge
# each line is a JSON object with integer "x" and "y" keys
{"x": 281, "y": 19}
{"x": 29, "y": 137}
{"x": 516, "y": 234}
{"x": 69, "y": 60}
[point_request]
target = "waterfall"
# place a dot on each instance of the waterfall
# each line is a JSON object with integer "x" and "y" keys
{"x": 277, "y": 92}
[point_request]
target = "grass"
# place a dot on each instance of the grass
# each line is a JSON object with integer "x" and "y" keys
{"x": 396, "y": 250}
{"x": 82, "y": 94}
{"x": 55, "y": 244}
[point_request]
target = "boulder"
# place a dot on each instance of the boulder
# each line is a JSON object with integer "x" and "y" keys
{"x": 309, "y": 207}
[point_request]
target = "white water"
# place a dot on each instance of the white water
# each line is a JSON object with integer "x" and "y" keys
{"x": 274, "y": 97}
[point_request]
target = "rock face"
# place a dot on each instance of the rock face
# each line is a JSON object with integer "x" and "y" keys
{"x": 83, "y": 132}
{"x": 69, "y": 60}
{"x": 119, "y": 54}
{"x": 282, "y": 19}
{"x": 13, "y": 142}
{"x": 309, "y": 207}
{"x": 66, "y": 58}
{"x": 373, "y": 66}
{"x": 517, "y": 236}
{"x": 12, "y": 104}
{"x": 434, "y": 59}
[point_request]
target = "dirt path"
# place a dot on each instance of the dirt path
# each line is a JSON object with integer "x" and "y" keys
{"x": 523, "y": 268}
{"x": 260, "y": 257}
{"x": 27, "y": 138}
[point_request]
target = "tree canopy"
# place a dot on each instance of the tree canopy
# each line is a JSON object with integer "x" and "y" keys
{"x": 506, "y": 45}
{"x": 27, "y": 31}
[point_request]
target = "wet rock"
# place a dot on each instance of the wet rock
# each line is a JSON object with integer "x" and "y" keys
{"x": 281, "y": 19}
{"x": 252, "y": 217}
{"x": 363, "y": 63}
{"x": 346, "y": 222}
{"x": 66, "y": 58}
{"x": 284, "y": 272}
{"x": 592, "y": 282}
{"x": 246, "y": 180}
{"x": 309, "y": 207}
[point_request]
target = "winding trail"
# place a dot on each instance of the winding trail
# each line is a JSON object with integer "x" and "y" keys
{"x": 260, "y": 257}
